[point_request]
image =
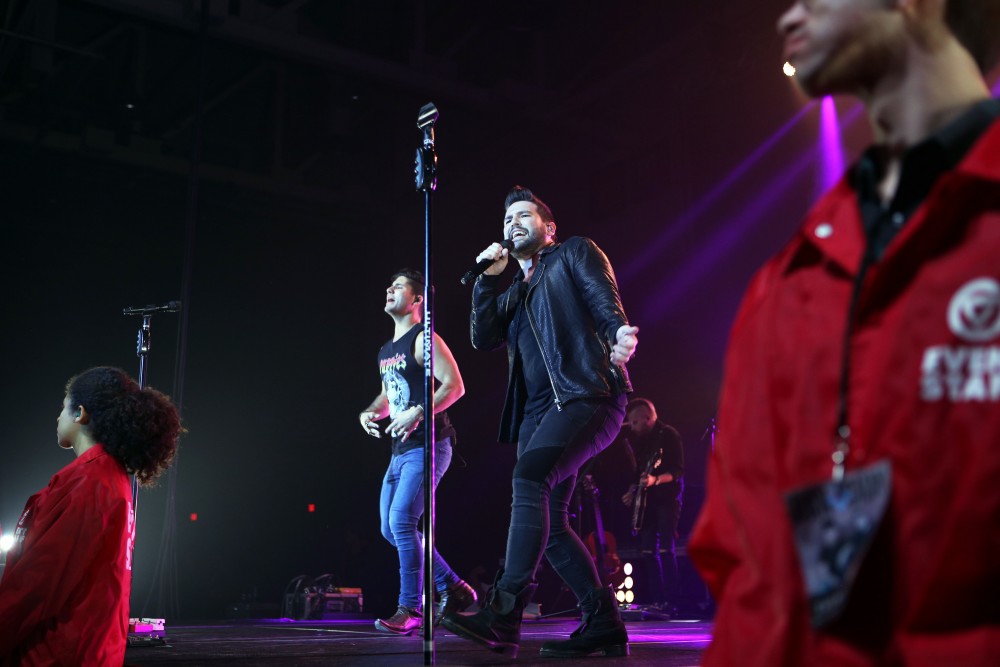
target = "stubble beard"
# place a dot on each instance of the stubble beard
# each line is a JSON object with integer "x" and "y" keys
{"x": 531, "y": 247}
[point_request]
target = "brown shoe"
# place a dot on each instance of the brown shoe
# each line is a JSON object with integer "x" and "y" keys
{"x": 403, "y": 622}
{"x": 454, "y": 599}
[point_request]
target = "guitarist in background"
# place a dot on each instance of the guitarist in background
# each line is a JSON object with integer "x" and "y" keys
{"x": 663, "y": 488}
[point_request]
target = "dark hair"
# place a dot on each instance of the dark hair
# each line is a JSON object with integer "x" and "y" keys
{"x": 415, "y": 278}
{"x": 976, "y": 24}
{"x": 519, "y": 193}
{"x": 138, "y": 427}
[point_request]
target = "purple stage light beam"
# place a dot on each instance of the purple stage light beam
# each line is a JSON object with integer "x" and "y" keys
{"x": 654, "y": 251}
{"x": 691, "y": 275}
{"x": 831, "y": 153}
{"x": 688, "y": 276}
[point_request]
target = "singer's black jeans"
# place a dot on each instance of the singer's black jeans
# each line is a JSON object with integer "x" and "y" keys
{"x": 552, "y": 446}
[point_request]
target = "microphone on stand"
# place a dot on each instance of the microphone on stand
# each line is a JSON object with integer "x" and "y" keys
{"x": 484, "y": 264}
{"x": 168, "y": 307}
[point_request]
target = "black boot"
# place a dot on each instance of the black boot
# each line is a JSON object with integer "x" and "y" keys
{"x": 457, "y": 597}
{"x": 601, "y": 630}
{"x": 496, "y": 626}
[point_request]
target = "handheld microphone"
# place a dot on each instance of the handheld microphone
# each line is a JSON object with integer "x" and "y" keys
{"x": 484, "y": 264}
{"x": 168, "y": 307}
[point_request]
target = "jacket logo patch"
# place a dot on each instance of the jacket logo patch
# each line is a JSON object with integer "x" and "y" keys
{"x": 974, "y": 311}
{"x": 964, "y": 373}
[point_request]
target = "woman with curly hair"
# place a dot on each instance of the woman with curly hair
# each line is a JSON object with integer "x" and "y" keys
{"x": 64, "y": 597}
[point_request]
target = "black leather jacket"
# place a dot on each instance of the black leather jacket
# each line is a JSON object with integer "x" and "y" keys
{"x": 575, "y": 312}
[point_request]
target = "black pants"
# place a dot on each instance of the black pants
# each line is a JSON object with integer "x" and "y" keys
{"x": 656, "y": 544}
{"x": 551, "y": 449}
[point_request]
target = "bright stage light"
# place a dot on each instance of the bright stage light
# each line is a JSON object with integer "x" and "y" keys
{"x": 6, "y": 542}
{"x": 624, "y": 594}
{"x": 788, "y": 69}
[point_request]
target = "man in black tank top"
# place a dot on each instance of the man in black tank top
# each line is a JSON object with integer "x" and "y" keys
{"x": 401, "y": 369}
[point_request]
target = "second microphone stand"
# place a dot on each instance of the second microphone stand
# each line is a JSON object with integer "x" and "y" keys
{"x": 426, "y": 182}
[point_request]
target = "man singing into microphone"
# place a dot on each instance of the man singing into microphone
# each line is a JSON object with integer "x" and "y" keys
{"x": 567, "y": 342}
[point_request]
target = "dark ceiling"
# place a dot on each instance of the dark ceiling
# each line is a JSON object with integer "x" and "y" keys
{"x": 300, "y": 99}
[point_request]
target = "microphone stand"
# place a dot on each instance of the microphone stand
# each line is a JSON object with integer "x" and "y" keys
{"x": 143, "y": 344}
{"x": 142, "y": 347}
{"x": 144, "y": 341}
{"x": 425, "y": 172}
{"x": 710, "y": 432}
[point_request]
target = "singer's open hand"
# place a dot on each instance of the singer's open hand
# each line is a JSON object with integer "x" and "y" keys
{"x": 499, "y": 255}
{"x": 624, "y": 348}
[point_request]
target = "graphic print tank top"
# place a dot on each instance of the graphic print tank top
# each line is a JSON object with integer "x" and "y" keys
{"x": 403, "y": 379}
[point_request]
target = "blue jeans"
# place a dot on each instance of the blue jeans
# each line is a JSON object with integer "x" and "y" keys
{"x": 551, "y": 449}
{"x": 400, "y": 508}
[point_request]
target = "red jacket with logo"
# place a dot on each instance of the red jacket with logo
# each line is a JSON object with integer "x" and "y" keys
{"x": 924, "y": 392}
{"x": 64, "y": 598}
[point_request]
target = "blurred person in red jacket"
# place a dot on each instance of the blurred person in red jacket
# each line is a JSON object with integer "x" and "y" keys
{"x": 64, "y": 597}
{"x": 853, "y": 507}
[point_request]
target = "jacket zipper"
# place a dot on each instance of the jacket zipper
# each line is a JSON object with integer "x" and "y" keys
{"x": 534, "y": 331}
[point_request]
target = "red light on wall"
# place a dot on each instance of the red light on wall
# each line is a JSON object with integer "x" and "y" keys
{"x": 193, "y": 516}
{"x": 311, "y": 507}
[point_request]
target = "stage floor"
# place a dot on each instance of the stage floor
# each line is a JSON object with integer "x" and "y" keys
{"x": 268, "y": 643}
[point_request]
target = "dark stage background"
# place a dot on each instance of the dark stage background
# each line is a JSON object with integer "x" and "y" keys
{"x": 662, "y": 130}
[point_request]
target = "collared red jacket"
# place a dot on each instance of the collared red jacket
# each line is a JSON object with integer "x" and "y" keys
{"x": 923, "y": 392}
{"x": 64, "y": 597}
{"x": 575, "y": 313}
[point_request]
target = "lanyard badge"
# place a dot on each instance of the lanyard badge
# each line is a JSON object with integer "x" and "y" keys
{"x": 834, "y": 525}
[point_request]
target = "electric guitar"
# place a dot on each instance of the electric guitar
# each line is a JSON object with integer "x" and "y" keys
{"x": 639, "y": 502}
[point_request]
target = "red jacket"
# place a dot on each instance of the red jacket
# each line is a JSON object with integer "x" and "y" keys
{"x": 64, "y": 598}
{"x": 924, "y": 392}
